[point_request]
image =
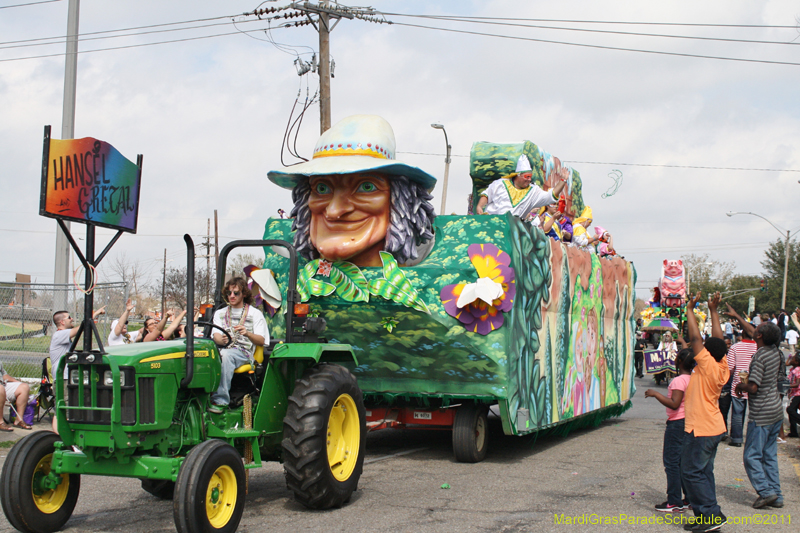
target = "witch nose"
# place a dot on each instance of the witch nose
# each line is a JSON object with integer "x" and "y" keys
{"x": 340, "y": 205}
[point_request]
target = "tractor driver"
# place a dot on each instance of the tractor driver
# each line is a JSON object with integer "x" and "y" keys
{"x": 248, "y": 329}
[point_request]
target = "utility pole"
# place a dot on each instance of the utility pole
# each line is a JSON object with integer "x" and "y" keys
{"x": 164, "y": 284}
{"x": 207, "y": 245}
{"x": 325, "y": 13}
{"x": 216, "y": 240}
{"x": 61, "y": 269}
{"x": 324, "y": 70}
{"x": 785, "y": 270}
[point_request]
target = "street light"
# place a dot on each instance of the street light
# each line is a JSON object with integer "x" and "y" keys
{"x": 785, "y": 249}
{"x": 446, "y": 165}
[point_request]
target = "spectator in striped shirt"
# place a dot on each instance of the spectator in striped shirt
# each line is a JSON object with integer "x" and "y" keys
{"x": 739, "y": 358}
{"x": 766, "y": 416}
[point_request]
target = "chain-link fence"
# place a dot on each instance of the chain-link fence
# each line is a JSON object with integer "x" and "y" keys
{"x": 26, "y": 319}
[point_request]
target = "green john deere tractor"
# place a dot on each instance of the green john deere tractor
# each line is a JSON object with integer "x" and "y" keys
{"x": 141, "y": 410}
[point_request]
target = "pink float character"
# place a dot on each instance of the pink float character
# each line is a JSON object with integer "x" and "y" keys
{"x": 673, "y": 283}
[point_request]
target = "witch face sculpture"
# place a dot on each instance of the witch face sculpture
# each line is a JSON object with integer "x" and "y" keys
{"x": 353, "y": 200}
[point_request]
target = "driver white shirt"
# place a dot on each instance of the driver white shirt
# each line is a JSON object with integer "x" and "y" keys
{"x": 254, "y": 322}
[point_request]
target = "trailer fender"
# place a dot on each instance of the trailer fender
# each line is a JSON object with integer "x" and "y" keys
{"x": 317, "y": 352}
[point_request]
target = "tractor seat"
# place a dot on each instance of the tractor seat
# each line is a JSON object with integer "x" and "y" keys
{"x": 249, "y": 368}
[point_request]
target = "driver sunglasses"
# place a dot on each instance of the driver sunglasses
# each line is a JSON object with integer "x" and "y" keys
{"x": 234, "y": 293}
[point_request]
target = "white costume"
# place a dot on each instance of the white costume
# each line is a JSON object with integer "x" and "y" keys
{"x": 504, "y": 197}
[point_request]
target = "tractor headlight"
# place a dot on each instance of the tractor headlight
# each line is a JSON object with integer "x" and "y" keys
{"x": 75, "y": 377}
{"x": 108, "y": 379}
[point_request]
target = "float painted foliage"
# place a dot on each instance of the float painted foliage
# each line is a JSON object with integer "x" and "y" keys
{"x": 564, "y": 348}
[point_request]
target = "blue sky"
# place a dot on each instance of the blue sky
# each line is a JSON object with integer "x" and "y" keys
{"x": 209, "y": 115}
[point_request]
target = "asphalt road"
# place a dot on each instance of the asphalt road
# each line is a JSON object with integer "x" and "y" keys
{"x": 610, "y": 472}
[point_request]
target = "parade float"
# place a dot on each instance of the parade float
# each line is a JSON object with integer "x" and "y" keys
{"x": 490, "y": 312}
{"x": 667, "y": 312}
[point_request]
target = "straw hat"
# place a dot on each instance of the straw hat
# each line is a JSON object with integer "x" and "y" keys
{"x": 359, "y": 143}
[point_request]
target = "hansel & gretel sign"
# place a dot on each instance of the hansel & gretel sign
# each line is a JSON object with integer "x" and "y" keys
{"x": 87, "y": 180}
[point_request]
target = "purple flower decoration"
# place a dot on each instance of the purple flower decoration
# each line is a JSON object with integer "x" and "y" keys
{"x": 480, "y": 316}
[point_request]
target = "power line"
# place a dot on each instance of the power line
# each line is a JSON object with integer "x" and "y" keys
{"x": 30, "y": 4}
{"x": 82, "y": 35}
{"x": 139, "y": 45}
{"x": 597, "y": 46}
{"x": 640, "y": 164}
{"x": 61, "y": 42}
{"x": 574, "y": 21}
{"x": 586, "y": 30}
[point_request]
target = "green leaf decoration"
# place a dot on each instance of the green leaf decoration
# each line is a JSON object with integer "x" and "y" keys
{"x": 395, "y": 286}
{"x": 350, "y": 283}
{"x": 384, "y": 289}
{"x": 304, "y": 276}
{"x": 320, "y": 288}
{"x": 394, "y": 275}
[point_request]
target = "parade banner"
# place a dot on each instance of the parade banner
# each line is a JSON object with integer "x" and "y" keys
{"x": 656, "y": 361}
{"x": 88, "y": 180}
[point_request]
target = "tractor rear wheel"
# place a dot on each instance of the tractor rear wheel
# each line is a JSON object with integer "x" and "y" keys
{"x": 471, "y": 433}
{"x": 210, "y": 490}
{"x": 30, "y": 499}
{"x": 324, "y": 434}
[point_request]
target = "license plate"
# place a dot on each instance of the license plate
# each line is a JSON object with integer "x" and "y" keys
{"x": 422, "y": 415}
{"x": 368, "y": 413}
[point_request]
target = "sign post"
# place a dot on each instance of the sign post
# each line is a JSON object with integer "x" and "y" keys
{"x": 89, "y": 181}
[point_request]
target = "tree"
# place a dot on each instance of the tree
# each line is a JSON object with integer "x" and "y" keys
{"x": 236, "y": 264}
{"x": 707, "y": 275}
{"x": 175, "y": 286}
{"x": 740, "y": 301}
{"x": 773, "y": 265}
{"x": 129, "y": 272}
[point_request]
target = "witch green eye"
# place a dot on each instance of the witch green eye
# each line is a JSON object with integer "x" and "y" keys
{"x": 322, "y": 188}
{"x": 367, "y": 186}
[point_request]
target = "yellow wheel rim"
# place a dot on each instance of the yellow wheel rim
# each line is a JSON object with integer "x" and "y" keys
{"x": 48, "y": 501}
{"x": 344, "y": 437}
{"x": 221, "y": 496}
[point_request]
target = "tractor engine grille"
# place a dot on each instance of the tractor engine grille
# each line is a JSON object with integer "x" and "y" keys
{"x": 92, "y": 386}
{"x": 147, "y": 400}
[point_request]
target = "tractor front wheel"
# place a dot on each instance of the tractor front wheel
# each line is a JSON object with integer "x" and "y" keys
{"x": 33, "y": 500}
{"x": 470, "y": 433}
{"x": 324, "y": 437}
{"x": 210, "y": 490}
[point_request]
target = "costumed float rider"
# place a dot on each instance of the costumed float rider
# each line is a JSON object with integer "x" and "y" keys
{"x": 248, "y": 329}
{"x": 580, "y": 237}
{"x": 516, "y": 194}
{"x": 354, "y": 199}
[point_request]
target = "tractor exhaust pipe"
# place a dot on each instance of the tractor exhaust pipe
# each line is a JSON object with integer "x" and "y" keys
{"x": 189, "y": 311}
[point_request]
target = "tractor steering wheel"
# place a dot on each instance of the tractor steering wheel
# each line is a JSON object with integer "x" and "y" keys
{"x": 230, "y": 339}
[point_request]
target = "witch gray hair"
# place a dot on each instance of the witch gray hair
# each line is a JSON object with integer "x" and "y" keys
{"x": 411, "y": 219}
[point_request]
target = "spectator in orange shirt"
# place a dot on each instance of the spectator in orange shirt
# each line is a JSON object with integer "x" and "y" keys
{"x": 704, "y": 425}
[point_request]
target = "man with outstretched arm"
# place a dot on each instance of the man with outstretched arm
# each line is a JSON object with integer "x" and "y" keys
{"x": 66, "y": 330}
{"x": 766, "y": 412}
{"x": 119, "y": 329}
{"x": 704, "y": 424}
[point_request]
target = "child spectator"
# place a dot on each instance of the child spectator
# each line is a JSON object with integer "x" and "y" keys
{"x": 674, "y": 434}
{"x": 794, "y": 396}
